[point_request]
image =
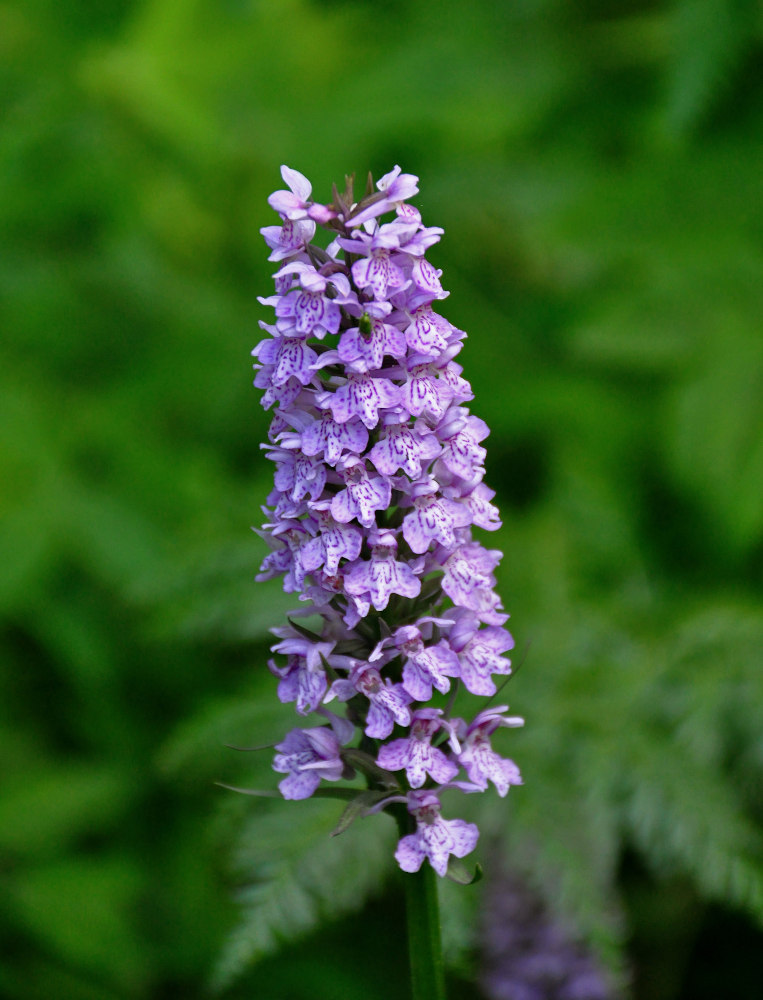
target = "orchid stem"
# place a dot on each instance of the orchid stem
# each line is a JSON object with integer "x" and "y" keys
{"x": 423, "y": 922}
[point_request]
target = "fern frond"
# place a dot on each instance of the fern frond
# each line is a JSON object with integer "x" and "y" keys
{"x": 298, "y": 875}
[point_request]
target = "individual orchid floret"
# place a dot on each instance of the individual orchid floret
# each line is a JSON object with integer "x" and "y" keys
{"x": 388, "y": 702}
{"x": 307, "y": 310}
{"x": 427, "y": 334}
{"x": 377, "y": 270}
{"x": 394, "y": 188}
{"x": 467, "y": 570}
{"x": 289, "y": 239}
{"x": 332, "y": 438}
{"x": 306, "y": 756}
{"x": 334, "y": 542}
{"x": 416, "y": 754}
{"x": 461, "y": 451}
{"x": 479, "y": 652}
{"x": 365, "y": 346}
{"x": 292, "y": 204}
{"x": 425, "y": 667}
{"x": 303, "y": 679}
{"x": 375, "y": 581}
{"x": 401, "y": 446}
{"x": 298, "y": 475}
{"x": 363, "y": 396}
{"x": 434, "y": 519}
{"x": 481, "y": 762}
{"x": 286, "y": 358}
{"x": 427, "y": 280}
{"x": 435, "y": 838}
{"x": 425, "y": 393}
{"x": 484, "y": 514}
{"x": 362, "y": 495}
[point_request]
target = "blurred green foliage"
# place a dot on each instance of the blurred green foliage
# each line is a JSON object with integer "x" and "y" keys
{"x": 596, "y": 167}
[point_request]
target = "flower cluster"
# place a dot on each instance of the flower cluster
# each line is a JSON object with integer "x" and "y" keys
{"x": 378, "y": 483}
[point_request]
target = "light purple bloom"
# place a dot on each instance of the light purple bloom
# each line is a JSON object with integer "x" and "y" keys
{"x": 292, "y": 204}
{"x": 306, "y": 756}
{"x": 467, "y": 570}
{"x": 361, "y": 497}
{"x": 394, "y": 188}
{"x": 288, "y": 239}
{"x": 424, "y": 667}
{"x": 416, "y": 754}
{"x": 425, "y": 393}
{"x": 333, "y": 439}
{"x": 427, "y": 334}
{"x": 481, "y": 762}
{"x": 481, "y": 657}
{"x": 404, "y": 447}
{"x": 427, "y": 279}
{"x": 363, "y": 396}
{"x": 461, "y": 451}
{"x": 364, "y": 347}
{"x": 306, "y": 311}
{"x": 484, "y": 514}
{"x": 334, "y": 542}
{"x": 378, "y": 488}
{"x": 301, "y": 683}
{"x": 382, "y": 576}
{"x": 286, "y": 358}
{"x": 388, "y": 702}
{"x": 435, "y": 838}
{"x": 303, "y": 679}
{"x": 298, "y": 475}
{"x": 434, "y": 519}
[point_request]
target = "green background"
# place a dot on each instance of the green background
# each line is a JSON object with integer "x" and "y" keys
{"x": 597, "y": 169}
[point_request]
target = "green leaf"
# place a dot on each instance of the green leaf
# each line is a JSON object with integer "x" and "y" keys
{"x": 357, "y": 807}
{"x": 459, "y": 873}
{"x": 367, "y": 765}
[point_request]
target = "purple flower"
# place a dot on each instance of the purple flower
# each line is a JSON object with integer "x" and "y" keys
{"x": 404, "y": 447}
{"x": 394, "y": 188}
{"x": 378, "y": 487}
{"x": 481, "y": 762}
{"x": 469, "y": 574}
{"x": 435, "y": 838}
{"x": 363, "y": 396}
{"x": 365, "y": 346}
{"x": 434, "y": 519}
{"x": 286, "y": 358}
{"x": 336, "y": 541}
{"x": 332, "y": 438}
{"x": 425, "y": 393}
{"x": 362, "y": 496}
{"x": 306, "y": 756}
{"x": 306, "y": 310}
{"x": 416, "y": 754}
{"x": 303, "y": 679}
{"x": 292, "y": 204}
{"x": 424, "y": 667}
{"x": 461, "y": 452}
{"x": 298, "y": 475}
{"x": 388, "y": 702}
{"x": 382, "y": 576}
{"x": 427, "y": 334}
{"x": 288, "y": 239}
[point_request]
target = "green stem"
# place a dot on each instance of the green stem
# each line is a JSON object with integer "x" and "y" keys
{"x": 423, "y": 921}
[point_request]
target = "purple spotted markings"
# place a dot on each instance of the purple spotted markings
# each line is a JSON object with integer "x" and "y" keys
{"x": 378, "y": 485}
